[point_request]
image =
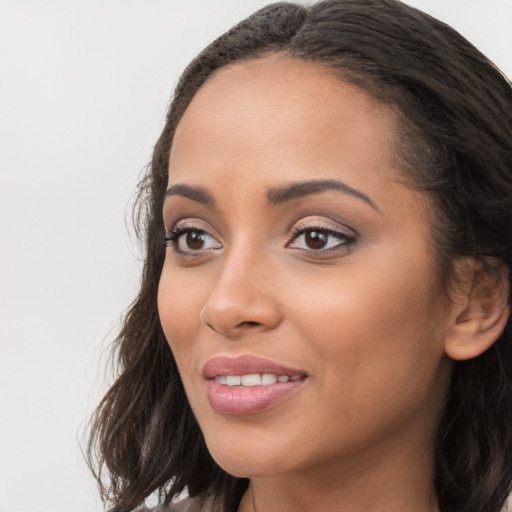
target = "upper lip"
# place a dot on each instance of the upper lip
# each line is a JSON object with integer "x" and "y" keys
{"x": 245, "y": 365}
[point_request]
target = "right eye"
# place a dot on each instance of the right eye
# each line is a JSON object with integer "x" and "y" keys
{"x": 191, "y": 240}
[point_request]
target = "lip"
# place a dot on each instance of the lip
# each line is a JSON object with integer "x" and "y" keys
{"x": 240, "y": 400}
{"x": 242, "y": 365}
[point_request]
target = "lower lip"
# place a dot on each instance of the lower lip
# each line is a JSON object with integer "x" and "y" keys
{"x": 240, "y": 400}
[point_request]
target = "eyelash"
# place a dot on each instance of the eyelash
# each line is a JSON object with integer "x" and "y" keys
{"x": 172, "y": 240}
{"x": 345, "y": 239}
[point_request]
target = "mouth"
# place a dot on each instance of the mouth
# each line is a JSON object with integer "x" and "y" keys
{"x": 247, "y": 384}
{"x": 255, "y": 379}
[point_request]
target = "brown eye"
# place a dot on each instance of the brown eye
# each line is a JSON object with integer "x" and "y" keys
{"x": 320, "y": 240}
{"x": 194, "y": 240}
{"x": 190, "y": 241}
{"x": 316, "y": 239}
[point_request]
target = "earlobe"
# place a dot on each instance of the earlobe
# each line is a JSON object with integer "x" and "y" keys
{"x": 481, "y": 309}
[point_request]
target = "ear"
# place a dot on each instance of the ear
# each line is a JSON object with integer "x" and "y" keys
{"x": 480, "y": 305}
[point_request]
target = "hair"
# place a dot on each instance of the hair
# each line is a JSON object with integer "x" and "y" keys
{"x": 455, "y": 115}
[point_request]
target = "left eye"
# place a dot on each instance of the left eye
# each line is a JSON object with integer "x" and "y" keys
{"x": 319, "y": 240}
{"x": 192, "y": 241}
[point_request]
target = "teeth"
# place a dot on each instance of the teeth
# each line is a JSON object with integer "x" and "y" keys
{"x": 251, "y": 380}
{"x": 254, "y": 379}
{"x": 233, "y": 380}
{"x": 268, "y": 378}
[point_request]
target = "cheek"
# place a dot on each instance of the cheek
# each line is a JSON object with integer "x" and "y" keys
{"x": 371, "y": 326}
{"x": 179, "y": 306}
{"x": 378, "y": 355}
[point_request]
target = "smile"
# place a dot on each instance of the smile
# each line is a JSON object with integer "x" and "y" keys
{"x": 255, "y": 379}
{"x": 248, "y": 384}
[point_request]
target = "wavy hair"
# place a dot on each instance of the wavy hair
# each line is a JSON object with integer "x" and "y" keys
{"x": 455, "y": 112}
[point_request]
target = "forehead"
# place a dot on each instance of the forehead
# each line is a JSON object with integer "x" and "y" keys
{"x": 293, "y": 105}
{"x": 282, "y": 82}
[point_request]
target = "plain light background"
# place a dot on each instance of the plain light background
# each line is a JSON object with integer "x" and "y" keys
{"x": 84, "y": 86}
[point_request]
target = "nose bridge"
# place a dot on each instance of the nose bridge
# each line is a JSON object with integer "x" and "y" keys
{"x": 243, "y": 296}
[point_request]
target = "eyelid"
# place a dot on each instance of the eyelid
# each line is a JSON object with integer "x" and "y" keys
{"x": 192, "y": 223}
{"x": 188, "y": 225}
{"x": 324, "y": 225}
{"x": 346, "y": 235}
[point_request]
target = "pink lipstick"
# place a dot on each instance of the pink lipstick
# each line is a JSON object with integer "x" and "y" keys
{"x": 249, "y": 384}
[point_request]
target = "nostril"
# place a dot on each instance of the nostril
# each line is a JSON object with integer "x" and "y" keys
{"x": 249, "y": 324}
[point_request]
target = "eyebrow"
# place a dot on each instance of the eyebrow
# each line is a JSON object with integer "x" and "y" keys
{"x": 276, "y": 195}
{"x": 306, "y": 188}
{"x": 199, "y": 194}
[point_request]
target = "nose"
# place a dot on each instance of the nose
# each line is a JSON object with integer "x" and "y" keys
{"x": 243, "y": 298}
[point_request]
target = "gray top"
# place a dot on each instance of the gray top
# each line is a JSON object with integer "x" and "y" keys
{"x": 211, "y": 504}
{"x": 187, "y": 505}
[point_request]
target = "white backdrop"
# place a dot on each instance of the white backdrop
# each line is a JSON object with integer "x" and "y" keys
{"x": 84, "y": 86}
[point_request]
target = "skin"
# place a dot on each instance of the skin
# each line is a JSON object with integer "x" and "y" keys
{"x": 367, "y": 321}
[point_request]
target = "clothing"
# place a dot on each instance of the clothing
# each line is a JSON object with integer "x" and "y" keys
{"x": 186, "y": 505}
{"x": 211, "y": 504}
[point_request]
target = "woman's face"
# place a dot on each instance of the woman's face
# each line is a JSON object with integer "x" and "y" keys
{"x": 299, "y": 293}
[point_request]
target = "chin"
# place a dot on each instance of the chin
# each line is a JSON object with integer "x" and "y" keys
{"x": 249, "y": 456}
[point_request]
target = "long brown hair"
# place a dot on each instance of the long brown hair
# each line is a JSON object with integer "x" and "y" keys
{"x": 456, "y": 145}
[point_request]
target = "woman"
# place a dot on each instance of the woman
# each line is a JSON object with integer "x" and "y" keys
{"x": 322, "y": 320}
